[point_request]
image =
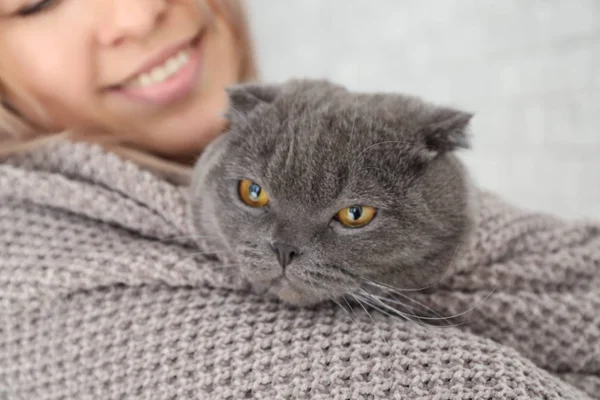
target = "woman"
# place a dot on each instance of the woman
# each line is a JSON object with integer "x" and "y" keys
{"x": 102, "y": 292}
{"x": 149, "y": 75}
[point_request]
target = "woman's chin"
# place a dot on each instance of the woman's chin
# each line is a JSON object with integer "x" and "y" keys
{"x": 186, "y": 142}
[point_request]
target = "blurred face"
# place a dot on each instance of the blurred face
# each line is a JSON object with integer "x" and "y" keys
{"x": 150, "y": 71}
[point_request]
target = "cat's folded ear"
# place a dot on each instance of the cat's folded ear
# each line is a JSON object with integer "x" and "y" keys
{"x": 244, "y": 97}
{"x": 443, "y": 130}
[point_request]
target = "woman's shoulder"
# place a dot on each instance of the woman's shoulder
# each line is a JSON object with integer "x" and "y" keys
{"x": 86, "y": 180}
{"x": 73, "y": 215}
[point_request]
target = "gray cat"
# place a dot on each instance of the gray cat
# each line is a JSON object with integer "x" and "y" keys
{"x": 317, "y": 192}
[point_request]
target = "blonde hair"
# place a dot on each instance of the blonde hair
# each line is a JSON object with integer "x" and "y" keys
{"x": 19, "y": 135}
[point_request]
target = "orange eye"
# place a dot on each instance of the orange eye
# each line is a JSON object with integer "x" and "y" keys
{"x": 252, "y": 194}
{"x": 356, "y": 216}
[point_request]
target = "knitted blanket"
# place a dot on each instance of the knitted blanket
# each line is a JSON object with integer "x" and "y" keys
{"x": 104, "y": 294}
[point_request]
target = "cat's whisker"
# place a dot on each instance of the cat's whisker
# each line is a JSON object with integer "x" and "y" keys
{"x": 439, "y": 316}
{"x": 310, "y": 281}
{"x": 386, "y": 310}
{"x": 418, "y": 303}
{"x": 387, "y": 287}
{"x": 478, "y": 304}
{"x": 350, "y": 308}
{"x": 411, "y": 308}
{"x": 394, "y": 291}
{"x": 408, "y": 307}
{"x": 448, "y": 268}
{"x": 381, "y": 301}
{"x": 337, "y": 302}
{"x": 397, "y": 290}
{"x": 340, "y": 305}
{"x": 369, "y": 299}
{"x": 360, "y": 303}
{"x": 362, "y": 306}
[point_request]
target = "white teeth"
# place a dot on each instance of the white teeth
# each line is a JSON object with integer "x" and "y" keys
{"x": 162, "y": 72}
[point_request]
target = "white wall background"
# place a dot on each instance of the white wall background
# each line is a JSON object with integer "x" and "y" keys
{"x": 528, "y": 69}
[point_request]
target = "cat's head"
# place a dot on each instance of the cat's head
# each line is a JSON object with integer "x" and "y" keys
{"x": 318, "y": 192}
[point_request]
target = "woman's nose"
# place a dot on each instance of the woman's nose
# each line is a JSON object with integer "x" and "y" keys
{"x": 122, "y": 20}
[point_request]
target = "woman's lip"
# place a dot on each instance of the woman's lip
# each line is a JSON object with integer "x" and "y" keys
{"x": 160, "y": 57}
{"x": 173, "y": 88}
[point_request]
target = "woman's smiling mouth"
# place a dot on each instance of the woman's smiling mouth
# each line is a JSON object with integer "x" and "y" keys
{"x": 167, "y": 77}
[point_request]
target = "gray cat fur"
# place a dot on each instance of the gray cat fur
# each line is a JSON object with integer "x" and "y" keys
{"x": 315, "y": 148}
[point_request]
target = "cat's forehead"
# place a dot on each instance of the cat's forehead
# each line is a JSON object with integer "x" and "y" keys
{"x": 311, "y": 145}
{"x": 322, "y": 124}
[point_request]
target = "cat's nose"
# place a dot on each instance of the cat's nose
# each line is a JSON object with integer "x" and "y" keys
{"x": 285, "y": 253}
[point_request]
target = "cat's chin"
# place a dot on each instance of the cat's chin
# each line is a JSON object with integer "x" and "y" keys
{"x": 292, "y": 295}
{"x": 289, "y": 293}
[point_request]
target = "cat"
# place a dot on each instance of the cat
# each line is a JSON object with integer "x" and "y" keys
{"x": 317, "y": 192}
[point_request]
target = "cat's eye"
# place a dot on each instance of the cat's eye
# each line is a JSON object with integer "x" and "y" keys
{"x": 252, "y": 193}
{"x": 356, "y": 216}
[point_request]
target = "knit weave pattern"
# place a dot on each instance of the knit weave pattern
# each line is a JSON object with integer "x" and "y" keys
{"x": 104, "y": 294}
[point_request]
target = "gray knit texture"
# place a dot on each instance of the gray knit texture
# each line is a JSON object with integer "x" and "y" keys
{"x": 103, "y": 296}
